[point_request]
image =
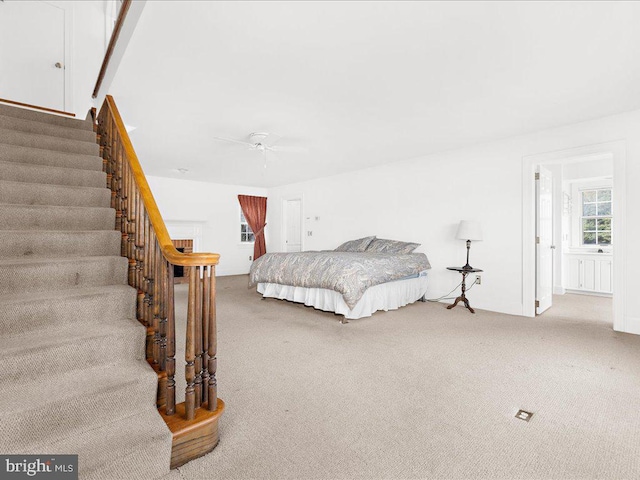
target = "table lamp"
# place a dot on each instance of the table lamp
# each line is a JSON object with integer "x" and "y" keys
{"x": 470, "y": 231}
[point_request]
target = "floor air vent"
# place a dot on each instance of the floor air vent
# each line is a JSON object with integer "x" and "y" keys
{"x": 522, "y": 415}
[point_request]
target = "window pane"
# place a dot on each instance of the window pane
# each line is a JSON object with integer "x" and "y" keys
{"x": 604, "y": 238}
{"x": 604, "y": 224}
{"x": 242, "y": 219}
{"x": 589, "y": 238}
{"x": 604, "y": 208}
{"x": 243, "y": 228}
{"x": 604, "y": 195}
{"x": 250, "y": 237}
{"x": 589, "y": 209}
{"x": 243, "y": 237}
{"x": 588, "y": 224}
{"x": 589, "y": 196}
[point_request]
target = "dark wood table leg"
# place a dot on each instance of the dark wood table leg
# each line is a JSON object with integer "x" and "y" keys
{"x": 462, "y": 297}
{"x": 455, "y": 302}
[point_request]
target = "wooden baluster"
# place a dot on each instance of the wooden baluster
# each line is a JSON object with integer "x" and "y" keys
{"x": 110, "y": 148}
{"x": 112, "y": 176}
{"x": 131, "y": 222}
{"x": 139, "y": 232}
{"x": 162, "y": 307}
{"x": 119, "y": 187}
{"x": 171, "y": 345}
{"x": 206, "y": 295}
{"x": 147, "y": 286}
{"x": 154, "y": 307}
{"x": 212, "y": 346}
{"x": 124, "y": 204}
{"x": 190, "y": 348}
{"x": 199, "y": 349}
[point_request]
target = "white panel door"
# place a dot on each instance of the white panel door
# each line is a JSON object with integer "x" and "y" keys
{"x": 544, "y": 240}
{"x": 293, "y": 225}
{"x": 32, "y": 42}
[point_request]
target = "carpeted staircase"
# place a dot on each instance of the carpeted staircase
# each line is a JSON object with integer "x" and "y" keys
{"x": 73, "y": 373}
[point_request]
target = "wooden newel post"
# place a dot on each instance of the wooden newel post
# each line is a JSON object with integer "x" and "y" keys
{"x": 212, "y": 344}
{"x": 190, "y": 350}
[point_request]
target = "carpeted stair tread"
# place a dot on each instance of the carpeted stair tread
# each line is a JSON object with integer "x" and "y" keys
{"x": 27, "y": 275}
{"x": 47, "y": 142}
{"x": 30, "y": 126}
{"x": 38, "y": 156}
{"x": 74, "y": 376}
{"x": 145, "y": 440}
{"x": 29, "y": 173}
{"x": 51, "y": 119}
{"x": 112, "y": 392}
{"x": 56, "y": 350}
{"x": 59, "y": 195}
{"x": 25, "y": 313}
{"x": 138, "y": 449}
{"x": 17, "y": 243}
{"x": 51, "y": 217}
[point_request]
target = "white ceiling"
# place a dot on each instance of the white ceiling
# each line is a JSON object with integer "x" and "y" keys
{"x": 364, "y": 83}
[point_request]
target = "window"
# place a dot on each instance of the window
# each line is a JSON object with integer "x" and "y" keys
{"x": 246, "y": 235}
{"x": 596, "y": 217}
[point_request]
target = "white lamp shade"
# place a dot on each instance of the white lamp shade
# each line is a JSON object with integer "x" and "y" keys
{"x": 469, "y": 230}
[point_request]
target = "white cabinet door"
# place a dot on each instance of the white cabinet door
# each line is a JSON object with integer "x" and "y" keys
{"x": 574, "y": 273}
{"x": 605, "y": 276}
{"x": 589, "y": 273}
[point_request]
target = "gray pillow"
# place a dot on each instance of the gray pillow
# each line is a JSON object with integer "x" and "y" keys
{"x": 359, "y": 245}
{"x": 381, "y": 245}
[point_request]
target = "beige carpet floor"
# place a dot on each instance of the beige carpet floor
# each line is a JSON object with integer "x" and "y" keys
{"x": 422, "y": 392}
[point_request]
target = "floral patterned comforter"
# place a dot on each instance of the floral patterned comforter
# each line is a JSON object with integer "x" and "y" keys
{"x": 348, "y": 273}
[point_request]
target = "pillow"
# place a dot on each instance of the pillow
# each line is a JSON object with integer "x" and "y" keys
{"x": 381, "y": 245}
{"x": 359, "y": 245}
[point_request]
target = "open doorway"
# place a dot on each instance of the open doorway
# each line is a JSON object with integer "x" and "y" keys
{"x": 582, "y": 229}
{"x": 574, "y": 218}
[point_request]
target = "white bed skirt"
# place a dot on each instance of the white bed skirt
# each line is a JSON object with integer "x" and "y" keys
{"x": 386, "y": 296}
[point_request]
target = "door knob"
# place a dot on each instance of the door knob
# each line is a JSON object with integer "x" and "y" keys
{"x": 58, "y": 65}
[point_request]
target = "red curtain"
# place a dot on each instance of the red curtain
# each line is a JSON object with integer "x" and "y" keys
{"x": 255, "y": 211}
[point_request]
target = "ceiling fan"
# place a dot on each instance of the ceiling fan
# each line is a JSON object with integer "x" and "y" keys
{"x": 263, "y": 142}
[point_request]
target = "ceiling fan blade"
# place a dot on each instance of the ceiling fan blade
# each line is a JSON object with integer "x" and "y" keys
{"x": 231, "y": 140}
{"x": 290, "y": 149}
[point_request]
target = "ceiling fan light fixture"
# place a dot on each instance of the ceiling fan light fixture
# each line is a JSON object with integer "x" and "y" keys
{"x": 257, "y": 138}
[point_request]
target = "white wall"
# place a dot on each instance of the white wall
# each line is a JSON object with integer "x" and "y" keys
{"x": 216, "y": 208}
{"x": 86, "y": 31}
{"x": 88, "y": 51}
{"x": 423, "y": 200}
{"x": 603, "y": 167}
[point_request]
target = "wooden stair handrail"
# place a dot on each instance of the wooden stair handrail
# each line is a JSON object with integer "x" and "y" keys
{"x": 151, "y": 256}
{"x": 169, "y": 251}
{"x": 112, "y": 44}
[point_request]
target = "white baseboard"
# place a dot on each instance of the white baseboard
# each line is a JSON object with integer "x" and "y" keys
{"x": 593, "y": 294}
{"x": 559, "y": 290}
{"x": 632, "y": 325}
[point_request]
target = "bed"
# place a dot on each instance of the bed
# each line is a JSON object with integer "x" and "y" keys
{"x": 357, "y": 279}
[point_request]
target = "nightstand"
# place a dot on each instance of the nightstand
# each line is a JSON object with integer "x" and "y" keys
{"x": 462, "y": 297}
